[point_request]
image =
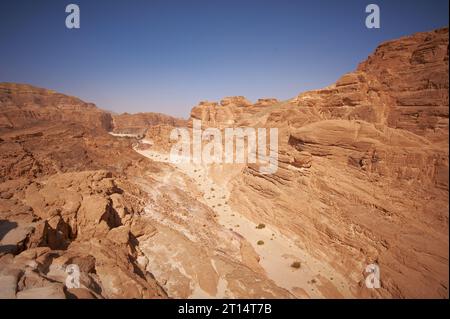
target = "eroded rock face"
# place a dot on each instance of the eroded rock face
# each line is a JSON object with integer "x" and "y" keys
{"x": 230, "y": 111}
{"x": 363, "y": 168}
{"x": 71, "y": 195}
{"x": 372, "y": 184}
{"x": 66, "y": 199}
{"x": 22, "y": 105}
{"x": 84, "y": 218}
{"x": 239, "y": 101}
{"x": 266, "y": 102}
{"x": 139, "y": 123}
{"x": 362, "y": 178}
{"x": 403, "y": 84}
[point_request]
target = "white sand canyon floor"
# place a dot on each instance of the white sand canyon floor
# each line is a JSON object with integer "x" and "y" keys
{"x": 277, "y": 252}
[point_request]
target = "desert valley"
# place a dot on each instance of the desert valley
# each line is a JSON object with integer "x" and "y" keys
{"x": 362, "y": 179}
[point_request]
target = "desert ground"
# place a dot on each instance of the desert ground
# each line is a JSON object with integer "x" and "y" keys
{"x": 362, "y": 179}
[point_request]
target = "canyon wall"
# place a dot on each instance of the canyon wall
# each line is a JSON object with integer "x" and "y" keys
{"x": 362, "y": 178}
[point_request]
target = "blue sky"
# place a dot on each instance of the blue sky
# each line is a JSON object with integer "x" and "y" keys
{"x": 165, "y": 56}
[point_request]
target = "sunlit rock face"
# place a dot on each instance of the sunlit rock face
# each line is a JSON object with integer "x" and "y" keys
{"x": 138, "y": 124}
{"x": 362, "y": 179}
{"x": 22, "y": 105}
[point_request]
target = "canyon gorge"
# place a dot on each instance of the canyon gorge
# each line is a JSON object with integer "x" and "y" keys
{"x": 362, "y": 179}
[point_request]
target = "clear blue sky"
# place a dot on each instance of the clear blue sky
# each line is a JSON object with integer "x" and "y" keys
{"x": 165, "y": 56}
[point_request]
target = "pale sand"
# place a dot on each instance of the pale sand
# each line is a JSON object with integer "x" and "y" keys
{"x": 278, "y": 251}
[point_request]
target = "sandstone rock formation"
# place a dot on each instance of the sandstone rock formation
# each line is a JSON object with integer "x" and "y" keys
{"x": 74, "y": 218}
{"x": 363, "y": 168}
{"x": 228, "y": 110}
{"x": 22, "y": 105}
{"x": 362, "y": 178}
{"x": 74, "y": 194}
{"x": 377, "y": 186}
{"x": 403, "y": 85}
{"x": 137, "y": 124}
{"x": 59, "y": 208}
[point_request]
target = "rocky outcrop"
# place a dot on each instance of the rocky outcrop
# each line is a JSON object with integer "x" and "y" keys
{"x": 403, "y": 84}
{"x": 73, "y": 195}
{"x": 362, "y": 178}
{"x": 65, "y": 198}
{"x": 238, "y": 101}
{"x": 206, "y": 112}
{"x": 83, "y": 218}
{"x": 363, "y": 169}
{"x": 22, "y": 105}
{"x": 49, "y": 148}
{"x": 266, "y": 102}
{"x": 137, "y": 124}
{"x": 231, "y": 111}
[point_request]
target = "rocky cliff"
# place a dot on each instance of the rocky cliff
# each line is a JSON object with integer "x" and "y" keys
{"x": 22, "y": 105}
{"x": 362, "y": 178}
{"x": 138, "y": 124}
{"x": 363, "y": 173}
{"x": 403, "y": 85}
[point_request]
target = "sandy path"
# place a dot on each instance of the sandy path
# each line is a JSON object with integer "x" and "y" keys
{"x": 123, "y": 135}
{"x": 277, "y": 252}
